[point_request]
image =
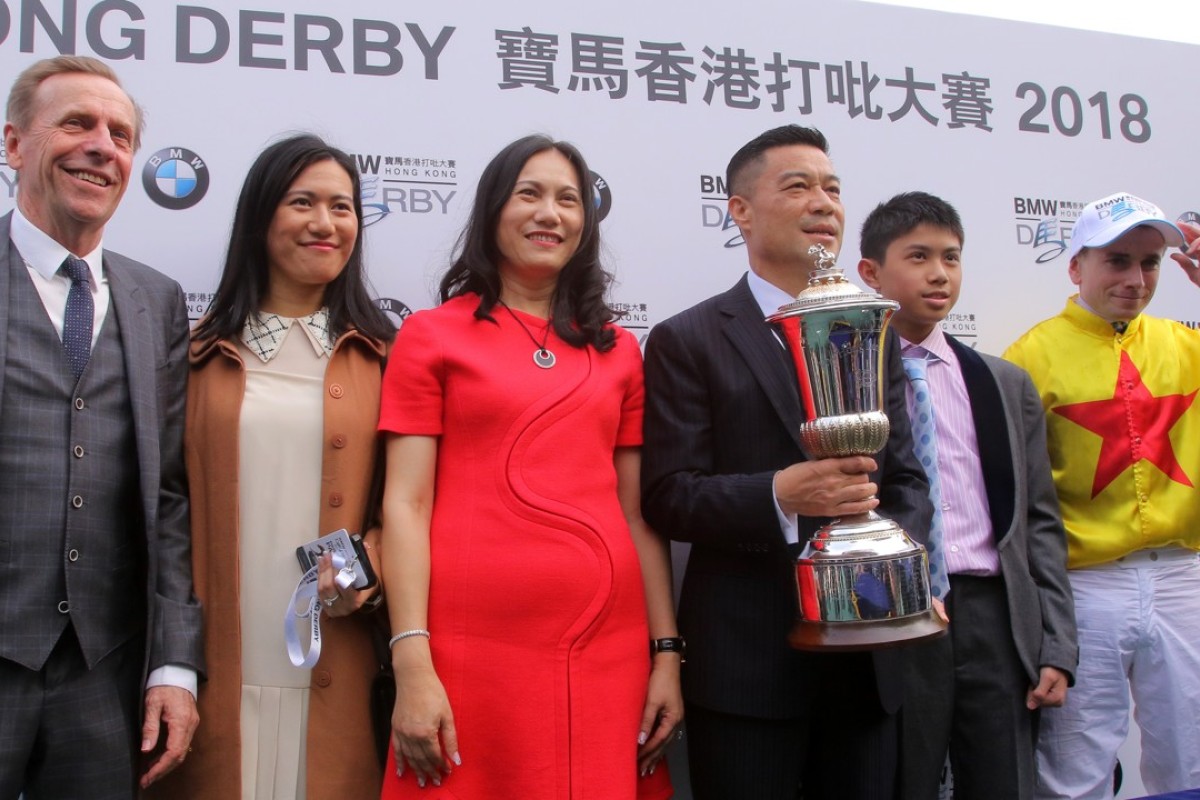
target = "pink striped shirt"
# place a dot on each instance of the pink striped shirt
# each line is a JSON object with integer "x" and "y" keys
{"x": 969, "y": 545}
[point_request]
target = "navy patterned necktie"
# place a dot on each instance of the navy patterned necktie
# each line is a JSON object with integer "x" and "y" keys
{"x": 80, "y": 315}
{"x": 924, "y": 431}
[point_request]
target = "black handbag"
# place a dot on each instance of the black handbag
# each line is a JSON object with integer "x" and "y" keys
{"x": 383, "y": 690}
{"x": 383, "y": 693}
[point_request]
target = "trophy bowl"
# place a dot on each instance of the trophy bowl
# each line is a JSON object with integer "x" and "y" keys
{"x": 862, "y": 582}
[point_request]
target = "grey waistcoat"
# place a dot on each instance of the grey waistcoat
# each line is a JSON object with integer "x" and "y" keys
{"x": 71, "y": 546}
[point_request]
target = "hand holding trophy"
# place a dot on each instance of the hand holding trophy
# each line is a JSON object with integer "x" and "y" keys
{"x": 862, "y": 582}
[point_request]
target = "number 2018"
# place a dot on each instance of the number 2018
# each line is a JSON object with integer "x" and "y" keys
{"x": 1066, "y": 112}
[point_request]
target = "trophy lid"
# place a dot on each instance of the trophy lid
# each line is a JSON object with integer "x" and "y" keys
{"x": 828, "y": 290}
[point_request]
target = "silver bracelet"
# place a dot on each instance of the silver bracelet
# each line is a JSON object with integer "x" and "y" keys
{"x": 406, "y": 635}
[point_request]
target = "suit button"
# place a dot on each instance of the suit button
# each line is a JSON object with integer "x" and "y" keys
{"x": 339, "y": 441}
{"x": 336, "y": 390}
{"x": 72, "y": 555}
{"x": 335, "y": 499}
{"x": 77, "y": 501}
{"x": 322, "y": 678}
{"x": 64, "y": 607}
{"x": 78, "y": 451}
{"x": 79, "y": 404}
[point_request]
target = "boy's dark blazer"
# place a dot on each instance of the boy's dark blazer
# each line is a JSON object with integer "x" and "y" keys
{"x": 1010, "y": 426}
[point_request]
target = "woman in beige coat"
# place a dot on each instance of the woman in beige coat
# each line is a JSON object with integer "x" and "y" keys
{"x": 283, "y": 400}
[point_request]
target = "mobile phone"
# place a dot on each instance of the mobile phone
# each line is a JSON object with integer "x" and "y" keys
{"x": 352, "y": 549}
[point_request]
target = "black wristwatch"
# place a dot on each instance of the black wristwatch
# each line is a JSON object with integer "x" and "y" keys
{"x": 674, "y": 644}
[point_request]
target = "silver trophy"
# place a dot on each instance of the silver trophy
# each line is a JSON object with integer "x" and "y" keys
{"x": 862, "y": 582}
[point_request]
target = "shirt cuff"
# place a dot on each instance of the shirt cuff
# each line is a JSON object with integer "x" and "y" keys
{"x": 173, "y": 675}
{"x": 787, "y": 522}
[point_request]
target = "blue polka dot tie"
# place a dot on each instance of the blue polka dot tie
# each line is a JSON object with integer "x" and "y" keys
{"x": 80, "y": 315}
{"x": 924, "y": 430}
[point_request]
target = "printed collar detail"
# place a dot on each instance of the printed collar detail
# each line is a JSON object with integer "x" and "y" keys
{"x": 264, "y": 333}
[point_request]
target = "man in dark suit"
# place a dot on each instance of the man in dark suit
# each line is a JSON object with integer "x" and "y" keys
{"x": 1012, "y": 646}
{"x": 100, "y": 642}
{"x": 723, "y": 470}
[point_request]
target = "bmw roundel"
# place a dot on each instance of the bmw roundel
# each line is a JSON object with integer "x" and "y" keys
{"x": 175, "y": 178}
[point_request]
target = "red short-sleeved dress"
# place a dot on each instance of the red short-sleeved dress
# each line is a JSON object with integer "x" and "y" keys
{"x": 536, "y": 605}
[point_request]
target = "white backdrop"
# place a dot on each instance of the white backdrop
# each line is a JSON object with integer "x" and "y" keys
{"x": 436, "y": 108}
{"x": 1017, "y": 124}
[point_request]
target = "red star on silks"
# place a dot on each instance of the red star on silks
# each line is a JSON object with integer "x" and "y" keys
{"x": 1134, "y": 426}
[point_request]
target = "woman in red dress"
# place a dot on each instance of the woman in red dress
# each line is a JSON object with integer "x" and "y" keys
{"x": 524, "y": 587}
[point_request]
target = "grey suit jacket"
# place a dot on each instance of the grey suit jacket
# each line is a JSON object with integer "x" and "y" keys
{"x": 1024, "y": 509}
{"x": 722, "y": 416}
{"x": 154, "y": 331}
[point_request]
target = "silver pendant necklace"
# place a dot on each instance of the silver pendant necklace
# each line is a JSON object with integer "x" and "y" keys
{"x": 541, "y": 356}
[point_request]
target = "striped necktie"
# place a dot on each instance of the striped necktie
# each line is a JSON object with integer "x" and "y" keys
{"x": 924, "y": 429}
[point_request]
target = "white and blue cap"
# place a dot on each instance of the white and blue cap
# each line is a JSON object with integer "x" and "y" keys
{"x": 1104, "y": 221}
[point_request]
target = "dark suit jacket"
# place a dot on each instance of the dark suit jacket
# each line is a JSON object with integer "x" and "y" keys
{"x": 1024, "y": 509}
{"x": 154, "y": 333}
{"x": 722, "y": 416}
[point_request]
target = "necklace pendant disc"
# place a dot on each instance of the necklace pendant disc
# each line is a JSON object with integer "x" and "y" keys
{"x": 543, "y": 358}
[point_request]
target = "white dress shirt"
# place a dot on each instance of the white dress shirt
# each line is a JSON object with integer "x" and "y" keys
{"x": 43, "y": 257}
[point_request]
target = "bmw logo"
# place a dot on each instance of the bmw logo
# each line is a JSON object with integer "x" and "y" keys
{"x": 175, "y": 178}
{"x": 397, "y": 311}
{"x": 601, "y": 194}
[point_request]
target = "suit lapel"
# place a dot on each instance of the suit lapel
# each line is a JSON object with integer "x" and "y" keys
{"x": 137, "y": 345}
{"x": 991, "y": 432}
{"x": 766, "y": 358}
{"x": 9, "y": 258}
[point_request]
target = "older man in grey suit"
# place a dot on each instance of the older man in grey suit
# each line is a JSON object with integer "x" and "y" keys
{"x": 100, "y": 640}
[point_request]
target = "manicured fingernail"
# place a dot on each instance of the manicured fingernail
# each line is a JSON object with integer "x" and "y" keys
{"x": 437, "y": 781}
{"x": 652, "y": 766}
{"x": 456, "y": 758}
{"x": 421, "y": 782}
{"x": 642, "y": 737}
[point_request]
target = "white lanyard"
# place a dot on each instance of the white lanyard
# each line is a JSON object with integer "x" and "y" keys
{"x": 306, "y": 604}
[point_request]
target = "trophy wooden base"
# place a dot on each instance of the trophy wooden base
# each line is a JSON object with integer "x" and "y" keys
{"x": 835, "y": 637}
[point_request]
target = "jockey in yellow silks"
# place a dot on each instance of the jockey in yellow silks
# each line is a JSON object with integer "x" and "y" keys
{"x": 1119, "y": 390}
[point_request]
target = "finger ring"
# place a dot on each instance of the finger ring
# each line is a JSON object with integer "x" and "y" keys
{"x": 330, "y": 601}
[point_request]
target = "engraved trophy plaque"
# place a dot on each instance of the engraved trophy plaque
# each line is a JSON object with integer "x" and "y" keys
{"x": 862, "y": 582}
